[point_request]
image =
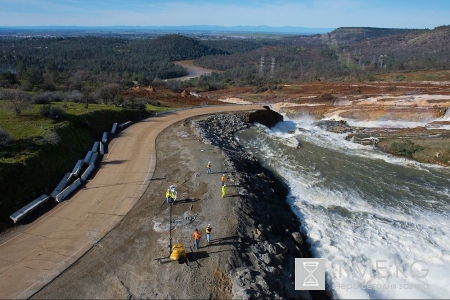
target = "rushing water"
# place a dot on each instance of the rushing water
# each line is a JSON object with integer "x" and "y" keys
{"x": 381, "y": 222}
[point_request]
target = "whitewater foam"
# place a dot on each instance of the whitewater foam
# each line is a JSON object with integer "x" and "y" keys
{"x": 364, "y": 210}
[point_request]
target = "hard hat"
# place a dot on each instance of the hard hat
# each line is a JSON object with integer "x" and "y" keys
{"x": 209, "y": 224}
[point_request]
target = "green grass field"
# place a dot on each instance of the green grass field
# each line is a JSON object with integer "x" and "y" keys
{"x": 32, "y": 124}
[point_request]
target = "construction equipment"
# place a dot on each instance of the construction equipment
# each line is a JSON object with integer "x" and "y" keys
{"x": 177, "y": 251}
{"x": 178, "y": 254}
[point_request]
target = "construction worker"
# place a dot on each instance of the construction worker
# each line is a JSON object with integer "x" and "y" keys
{"x": 173, "y": 193}
{"x": 223, "y": 179}
{"x": 208, "y": 233}
{"x": 208, "y": 168}
{"x": 196, "y": 235}
{"x": 224, "y": 190}
{"x": 168, "y": 196}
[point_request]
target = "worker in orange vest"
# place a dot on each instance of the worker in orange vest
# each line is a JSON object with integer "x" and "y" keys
{"x": 223, "y": 179}
{"x": 196, "y": 235}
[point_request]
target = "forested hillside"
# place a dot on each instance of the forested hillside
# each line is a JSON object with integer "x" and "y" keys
{"x": 67, "y": 63}
{"x": 358, "y": 34}
{"x": 397, "y": 50}
{"x": 344, "y": 54}
{"x": 41, "y": 64}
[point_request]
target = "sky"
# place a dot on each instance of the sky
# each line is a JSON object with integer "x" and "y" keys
{"x": 415, "y": 14}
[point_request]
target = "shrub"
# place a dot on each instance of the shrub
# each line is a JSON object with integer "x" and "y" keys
{"x": 406, "y": 148}
{"x": 45, "y": 110}
{"x": 118, "y": 100}
{"x": 57, "y": 113}
{"x": 54, "y": 113}
{"x": 43, "y": 98}
{"x": 74, "y": 96}
{"x": 134, "y": 103}
{"x": 47, "y": 97}
{"x": 52, "y": 138}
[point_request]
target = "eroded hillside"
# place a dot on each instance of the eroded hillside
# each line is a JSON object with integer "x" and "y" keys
{"x": 407, "y": 118}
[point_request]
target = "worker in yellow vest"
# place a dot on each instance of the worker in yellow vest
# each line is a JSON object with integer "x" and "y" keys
{"x": 208, "y": 233}
{"x": 168, "y": 196}
{"x": 224, "y": 191}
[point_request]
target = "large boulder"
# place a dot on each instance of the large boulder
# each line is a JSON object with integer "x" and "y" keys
{"x": 265, "y": 117}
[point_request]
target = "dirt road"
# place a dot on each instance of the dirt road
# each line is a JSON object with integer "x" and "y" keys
{"x": 194, "y": 71}
{"x": 40, "y": 251}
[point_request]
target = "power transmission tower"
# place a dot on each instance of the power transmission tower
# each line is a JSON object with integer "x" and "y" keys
{"x": 272, "y": 68}
{"x": 5, "y": 57}
{"x": 380, "y": 61}
{"x": 14, "y": 51}
{"x": 261, "y": 67}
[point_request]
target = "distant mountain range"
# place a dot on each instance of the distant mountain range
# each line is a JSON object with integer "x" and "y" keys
{"x": 192, "y": 28}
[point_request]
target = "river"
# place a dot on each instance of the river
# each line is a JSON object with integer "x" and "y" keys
{"x": 381, "y": 222}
